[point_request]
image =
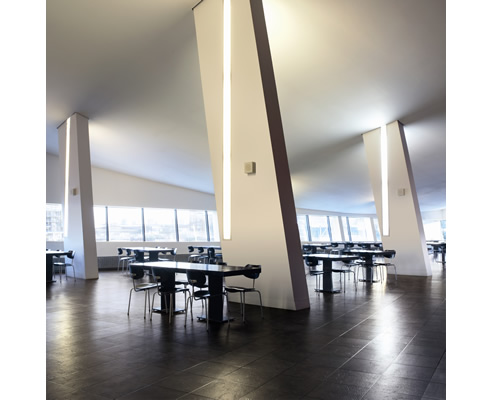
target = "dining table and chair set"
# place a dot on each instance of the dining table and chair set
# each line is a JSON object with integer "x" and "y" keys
{"x": 200, "y": 279}
{"x": 351, "y": 257}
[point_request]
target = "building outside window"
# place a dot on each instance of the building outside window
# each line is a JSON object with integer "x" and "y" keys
{"x": 336, "y": 233}
{"x": 318, "y": 225}
{"x": 192, "y": 226}
{"x": 100, "y": 223}
{"x": 376, "y": 229}
{"x": 361, "y": 229}
{"x": 213, "y": 226}
{"x": 160, "y": 225}
{"x": 125, "y": 224}
{"x": 54, "y": 222}
{"x": 303, "y": 228}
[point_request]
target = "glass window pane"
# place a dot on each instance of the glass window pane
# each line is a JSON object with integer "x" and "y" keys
{"x": 160, "y": 225}
{"x": 432, "y": 230}
{"x": 192, "y": 226}
{"x": 361, "y": 229}
{"x": 54, "y": 223}
{"x": 345, "y": 229}
{"x": 213, "y": 226}
{"x": 376, "y": 228}
{"x": 302, "y": 225}
{"x": 125, "y": 224}
{"x": 336, "y": 233}
{"x": 318, "y": 225}
{"x": 100, "y": 223}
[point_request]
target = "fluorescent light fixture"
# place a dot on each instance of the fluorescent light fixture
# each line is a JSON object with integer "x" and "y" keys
{"x": 67, "y": 173}
{"x": 384, "y": 181}
{"x": 226, "y": 124}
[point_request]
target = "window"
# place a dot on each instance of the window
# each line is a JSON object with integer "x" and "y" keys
{"x": 360, "y": 229}
{"x": 192, "y": 226}
{"x": 100, "y": 223}
{"x": 125, "y": 224}
{"x": 318, "y": 225}
{"x": 160, "y": 225}
{"x": 346, "y": 231}
{"x": 336, "y": 233}
{"x": 376, "y": 229}
{"x": 433, "y": 230}
{"x": 213, "y": 226}
{"x": 54, "y": 223}
{"x": 303, "y": 228}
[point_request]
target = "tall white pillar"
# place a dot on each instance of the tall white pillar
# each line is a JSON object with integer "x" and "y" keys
{"x": 262, "y": 216}
{"x": 405, "y": 228}
{"x": 79, "y": 236}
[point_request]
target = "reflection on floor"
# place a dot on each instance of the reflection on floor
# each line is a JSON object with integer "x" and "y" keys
{"x": 380, "y": 342}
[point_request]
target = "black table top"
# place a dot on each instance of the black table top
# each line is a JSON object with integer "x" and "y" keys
{"x": 333, "y": 257}
{"x": 57, "y": 252}
{"x": 148, "y": 249}
{"x": 209, "y": 269}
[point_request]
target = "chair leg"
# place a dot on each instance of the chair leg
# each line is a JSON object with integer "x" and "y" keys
{"x": 129, "y": 301}
{"x": 261, "y": 304}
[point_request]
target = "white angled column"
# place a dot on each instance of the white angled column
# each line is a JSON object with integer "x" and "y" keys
{"x": 79, "y": 234}
{"x": 252, "y": 181}
{"x": 396, "y": 199}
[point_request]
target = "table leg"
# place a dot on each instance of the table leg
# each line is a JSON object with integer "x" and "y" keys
{"x": 168, "y": 286}
{"x": 216, "y": 300}
{"x": 49, "y": 269}
{"x": 368, "y": 261}
{"x": 327, "y": 277}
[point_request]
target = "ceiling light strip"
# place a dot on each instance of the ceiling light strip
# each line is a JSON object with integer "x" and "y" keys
{"x": 67, "y": 174}
{"x": 384, "y": 181}
{"x": 226, "y": 127}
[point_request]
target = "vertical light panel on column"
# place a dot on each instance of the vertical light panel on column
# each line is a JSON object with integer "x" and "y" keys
{"x": 226, "y": 124}
{"x": 384, "y": 181}
{"x": 67, "y": 174}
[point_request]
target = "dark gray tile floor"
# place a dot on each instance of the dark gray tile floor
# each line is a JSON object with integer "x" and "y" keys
{"x": 380, "y": 342}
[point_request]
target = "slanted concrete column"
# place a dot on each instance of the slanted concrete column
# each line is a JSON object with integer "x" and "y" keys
{"x": 406, "y": 231}
{"x": 263, "y": 216}
{"x": 75, "y": 163}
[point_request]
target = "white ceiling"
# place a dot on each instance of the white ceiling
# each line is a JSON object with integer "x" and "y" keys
{"x": 342, "y": 68}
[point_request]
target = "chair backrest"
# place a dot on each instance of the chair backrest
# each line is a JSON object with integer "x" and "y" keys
{"x": 311, "y": 261}
{"x": 136, "y": 271}
{"x": 251, "y": 274}
{"x": 197, "y": 278}
{"x": 120, "y": 251}
{"x": 211, "y": 252}
{"x": 191, "y": 249}
{"x": 160, "y": 276}
{"x": 200, "y": 249}
{"x": 71, "y": 254}
{"x": 128, "y": 252}
{"x": 389, "y": 253}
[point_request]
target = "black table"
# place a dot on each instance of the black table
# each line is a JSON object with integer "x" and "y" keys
{"x": 439, "y": 246}
{"x": 328, "y": 268}
{"x": 368, "y": 256}
{"x": 152, "y": 251}
{"x": 216, "y": 274}
{"x": 49, "y": 262}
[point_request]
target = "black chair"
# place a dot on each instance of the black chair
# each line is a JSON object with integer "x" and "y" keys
{"x": 389, "y": 255}
{"x": 243, "y": 290}
{"x": 122, "y": 259}
{"x": 193, "y": 257}
{"x": 162, "y": 279}
{"x": 198, "y": 282}
{"x": 170, "y": 255}
{"x": 347, "y": 268}
{"x": 313, "y": 270}
{"x": 137, "y": 273}
{"x": 64, "y": 263}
